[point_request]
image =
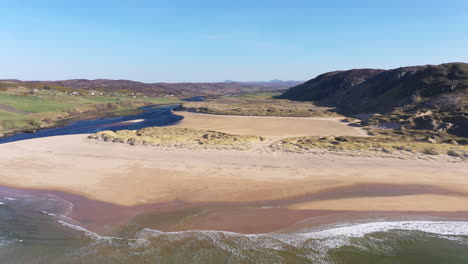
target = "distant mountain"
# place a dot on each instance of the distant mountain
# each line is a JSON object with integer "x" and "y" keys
{"x": 276, "y": 83}
{"x": 273, "y": 83}
{"x": 440, "y": 89}
{"x": 159, "y": 89}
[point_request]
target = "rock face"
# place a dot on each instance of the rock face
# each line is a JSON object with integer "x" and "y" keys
{"x": 329, "y": 84}
{"x": 425, "y": 122}
{"x": 403, "y": 92}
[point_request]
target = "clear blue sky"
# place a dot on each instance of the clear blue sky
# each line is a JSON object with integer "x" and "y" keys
{"x": 243, "y": 40}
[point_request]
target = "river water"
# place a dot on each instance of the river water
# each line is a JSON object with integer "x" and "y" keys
{"x": 151, "y": 116}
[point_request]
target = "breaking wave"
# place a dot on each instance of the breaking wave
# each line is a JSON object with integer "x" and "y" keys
{"x": 38, "y": 230}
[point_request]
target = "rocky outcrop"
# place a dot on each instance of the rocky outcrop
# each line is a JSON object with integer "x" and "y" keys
{"x": 402, "y": 95}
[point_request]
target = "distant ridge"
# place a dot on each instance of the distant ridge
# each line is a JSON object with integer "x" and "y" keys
{"x": 159, "y": 89}
{"x": 376, "y": 90}
{"x": 406, "y": 92}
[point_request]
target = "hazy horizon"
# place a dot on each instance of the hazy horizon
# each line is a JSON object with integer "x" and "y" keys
{"x": 210, "y": 41}
{"x": 224, "y": 81}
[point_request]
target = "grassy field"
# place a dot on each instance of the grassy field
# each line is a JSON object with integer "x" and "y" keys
{"x": 22, "y": 110}
{"x": 258, "y": 104}
{"x": 258, "y": 96}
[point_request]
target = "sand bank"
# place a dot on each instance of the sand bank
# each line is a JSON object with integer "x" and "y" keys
{"x": 271, "y": 127}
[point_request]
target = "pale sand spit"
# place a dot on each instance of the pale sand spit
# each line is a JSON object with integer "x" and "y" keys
{"x": 271, "y": 127}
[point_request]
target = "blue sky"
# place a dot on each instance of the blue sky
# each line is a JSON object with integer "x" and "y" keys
{"x": 196, "y": 41}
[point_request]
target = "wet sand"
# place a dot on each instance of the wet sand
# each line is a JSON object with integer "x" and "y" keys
{"x": 271, "y": 127}
{"x": 248, "y": 217}
{"x": 437, "y": 203}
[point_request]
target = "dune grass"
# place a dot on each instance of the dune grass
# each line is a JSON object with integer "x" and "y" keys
{"x": 178, "y": 137}
{"x": 348, "y": 145}
{"x": 387, "y": 145}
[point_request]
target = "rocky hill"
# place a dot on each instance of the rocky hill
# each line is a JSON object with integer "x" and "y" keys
{"x": 429, "y": 97}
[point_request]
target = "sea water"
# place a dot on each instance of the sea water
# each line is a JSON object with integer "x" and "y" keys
{"x": 36, "y": 229}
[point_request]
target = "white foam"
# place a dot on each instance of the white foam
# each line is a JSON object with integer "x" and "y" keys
{"x": 69, "y": 207}
{"x": 359, "y": 230}
{"x": 319, "y": 241}
{"x": 456, "y": 228}
{"x": 81, "y": 229}
{"x": 9, "y": 198}
{"x": 87, "y": 232}
{"x": 49, "y": 214}
{"x": 322, "y": 240}
{"x": 2, "y": 203}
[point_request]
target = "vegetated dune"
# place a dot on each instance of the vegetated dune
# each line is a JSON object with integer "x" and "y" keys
{"x": 178, "y": 137}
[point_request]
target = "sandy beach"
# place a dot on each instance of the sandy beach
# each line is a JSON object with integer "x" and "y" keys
{"x": 132, "y": 175}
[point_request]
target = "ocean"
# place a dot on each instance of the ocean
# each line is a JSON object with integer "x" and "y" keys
{"x": 37, "y": 229}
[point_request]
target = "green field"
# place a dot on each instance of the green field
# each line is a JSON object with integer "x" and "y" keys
{"x": 257, "y": 104}
{"x": 258, "y": 96}
{"x": 35, "y": 104}
{"x": 47, "y": 108}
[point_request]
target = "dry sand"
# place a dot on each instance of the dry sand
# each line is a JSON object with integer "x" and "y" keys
{"x": 130, "y": 175}
{"x": 271, "y": 127}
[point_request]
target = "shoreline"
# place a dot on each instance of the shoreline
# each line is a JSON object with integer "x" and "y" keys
{"x": 246, "y": 218}
{"x": 114, "y": 184}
